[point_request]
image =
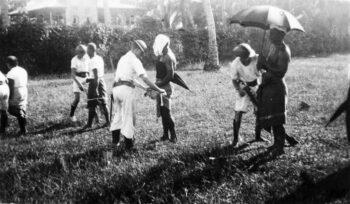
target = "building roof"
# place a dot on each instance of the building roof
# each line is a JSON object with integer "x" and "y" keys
{"x": 33, "y": 5}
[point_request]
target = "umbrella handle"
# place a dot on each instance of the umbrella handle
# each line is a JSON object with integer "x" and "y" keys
{"x": 263, "y": 43}
{"x": 161, "y": 100}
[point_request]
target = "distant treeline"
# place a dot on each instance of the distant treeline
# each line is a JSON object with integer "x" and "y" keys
{"x": 48, "y": 50}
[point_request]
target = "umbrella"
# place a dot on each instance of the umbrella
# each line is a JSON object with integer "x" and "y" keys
{"x": 179, "y": 81}
{"x": 265, "y": 16}
{"x": 344, "y": 107}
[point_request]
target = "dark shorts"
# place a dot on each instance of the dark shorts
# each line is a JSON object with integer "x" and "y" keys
{"x": 99, "y": 96}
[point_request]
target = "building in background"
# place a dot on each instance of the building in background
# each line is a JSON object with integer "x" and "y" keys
{"x": 78, "y": 12}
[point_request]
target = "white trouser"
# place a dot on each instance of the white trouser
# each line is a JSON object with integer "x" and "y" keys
{"x": 4, "y": 97}
{"x": 124, "y": 111}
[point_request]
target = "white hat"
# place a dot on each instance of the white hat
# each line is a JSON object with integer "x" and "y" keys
{"x": 141, "y": 44}
{"x": 252, "y": 52}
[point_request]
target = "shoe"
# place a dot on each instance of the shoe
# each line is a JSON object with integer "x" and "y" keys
{"x": 276, "y": 150}
{"x": 107, "y": 124}
{"x": 73, "y": 119}
{"x": 87, "y": 126}
{"x": 292, "y": 142}
{"x": 129, "y": 144}
{"x": 164, "y": 138}
{"x": 173, "y": 139}
{"x": 260, "y": 139}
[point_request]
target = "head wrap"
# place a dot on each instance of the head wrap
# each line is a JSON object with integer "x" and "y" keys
{"x": 92, "y": 45}
{"x": 252, "y": 53}
{"x": 159, "y": 44}
{"x": 81, "y": 48}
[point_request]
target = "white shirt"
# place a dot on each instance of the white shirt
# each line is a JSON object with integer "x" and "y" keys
{"x": 3, "y": 78}
{"x": 81, "y": 65}
{"x": 96, "y": 62}
{"x": 129, "y": 68}
{"x": 19, "y": 76}
{"x": 245, "y": 73}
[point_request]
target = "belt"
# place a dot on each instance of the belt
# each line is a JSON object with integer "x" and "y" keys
{"x": 250, "y": 84}
{"x": 81, "y": 74}
{"x": 126, "y": 83}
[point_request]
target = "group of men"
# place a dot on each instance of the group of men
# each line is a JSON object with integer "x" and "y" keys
{"x": 13, "y": 95}
{"x": 88, "y": 67}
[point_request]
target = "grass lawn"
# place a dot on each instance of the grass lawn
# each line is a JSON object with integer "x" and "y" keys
{"x": 57, "y": 163}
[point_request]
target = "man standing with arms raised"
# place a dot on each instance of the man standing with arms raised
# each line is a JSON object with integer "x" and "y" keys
{"x": 129, "y": 68}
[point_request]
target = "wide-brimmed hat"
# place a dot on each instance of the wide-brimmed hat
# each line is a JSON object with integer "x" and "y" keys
{"x": 251, "y": 51}
{"x": 141, "y": 44}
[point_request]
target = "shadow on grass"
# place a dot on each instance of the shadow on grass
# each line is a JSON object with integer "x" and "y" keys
{"x": 332, "y": 187}
{"x": 174, "y": 177}
{"x": 60, "y": 125}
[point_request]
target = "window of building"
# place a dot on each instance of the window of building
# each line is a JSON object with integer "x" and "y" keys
{"x": 75, "y": 19}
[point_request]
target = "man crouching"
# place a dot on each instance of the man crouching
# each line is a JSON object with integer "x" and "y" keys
{"x": 245, "y": 80}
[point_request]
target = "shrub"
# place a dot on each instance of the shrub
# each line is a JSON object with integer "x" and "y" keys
{"x": 48, "y": 50}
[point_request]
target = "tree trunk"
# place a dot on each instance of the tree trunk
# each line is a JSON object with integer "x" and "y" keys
{"x": 186, "y": 16}
{"x": 5, "y": 18}
{"x": 106, "y": 13}
{"x": 212, "y": 63}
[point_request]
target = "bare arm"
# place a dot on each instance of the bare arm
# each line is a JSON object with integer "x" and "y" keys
{"x": 74, "y": 76}
{"x": 12, "y": 87}
{"x": 151, "y": 84}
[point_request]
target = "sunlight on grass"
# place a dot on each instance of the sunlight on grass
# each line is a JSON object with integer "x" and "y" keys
{"x": 158, "y": 172}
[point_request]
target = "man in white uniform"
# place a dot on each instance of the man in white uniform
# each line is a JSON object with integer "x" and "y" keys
{"x": 129, "y": 68}
{"x": 245, "y": 79}
{"x": 18, "y": 80}
{"x": 4, "y": 100}
{"x": 97, "y": 94}
{"x": 80, "y": 71}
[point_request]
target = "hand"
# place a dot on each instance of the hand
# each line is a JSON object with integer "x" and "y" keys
{"x": 241, "y": 93}
{"x": 261, "y": 64}
{"x": 162, "y": 91}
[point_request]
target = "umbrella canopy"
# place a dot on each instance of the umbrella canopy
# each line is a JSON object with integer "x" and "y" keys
{"x": 265, "y": 16}
{"x": 179, "y": 81}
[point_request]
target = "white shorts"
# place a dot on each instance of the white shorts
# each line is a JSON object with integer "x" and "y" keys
{"x": 242, "y": 103}
{"x": 4, "y": 97}
{"x": 75, "y": 85}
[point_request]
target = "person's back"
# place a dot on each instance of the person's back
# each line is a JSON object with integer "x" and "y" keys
{"x": 18, "y": 80}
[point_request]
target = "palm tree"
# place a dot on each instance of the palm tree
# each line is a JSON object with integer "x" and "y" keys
{"x": 5, "y": 18}
{"x": 212, "y": 62}
{"x": 106, "y": 13}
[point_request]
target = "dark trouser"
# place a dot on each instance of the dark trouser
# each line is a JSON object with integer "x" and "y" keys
{"x": 168, "y": 124}
{"x": 97, "y": 96}
{"x": 21, "y": 116}
{"x": 279, "y": 134}
{"x": 4, "y": 121}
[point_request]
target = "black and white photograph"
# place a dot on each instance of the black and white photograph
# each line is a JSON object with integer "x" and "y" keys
{"x": 175, "y": 101}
